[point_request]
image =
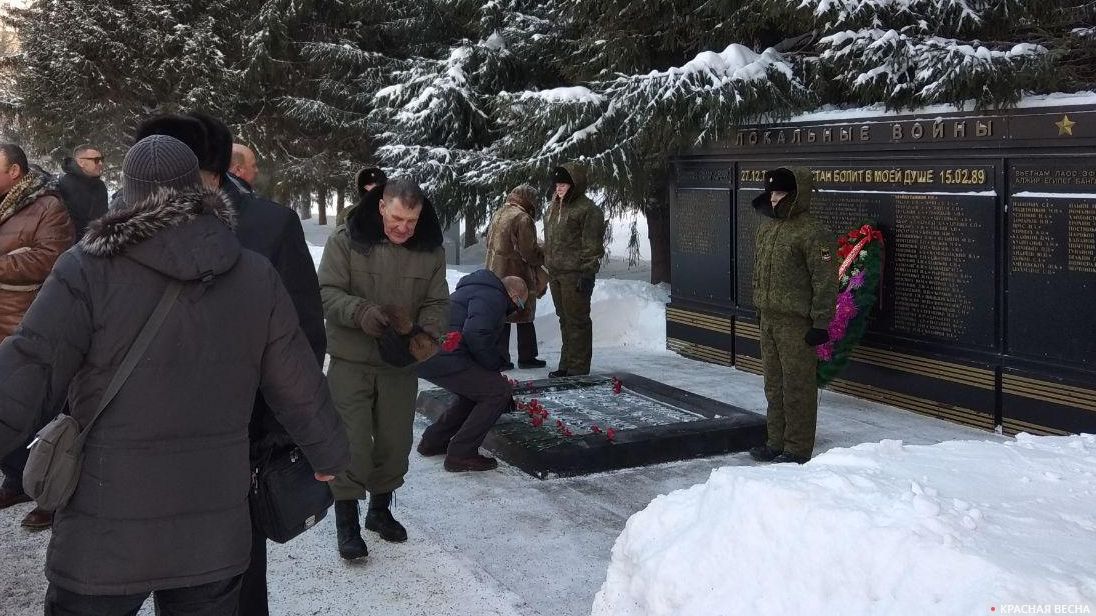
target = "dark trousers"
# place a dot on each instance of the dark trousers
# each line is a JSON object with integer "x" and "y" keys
{"x": 482, "y": 396}
{"x": 12, "y": 466}
{"x": 213, "y": 599}
{"x": 253, "y": 595}
{"x": 527, "y": 342}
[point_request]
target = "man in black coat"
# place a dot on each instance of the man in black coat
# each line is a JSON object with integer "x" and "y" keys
{"x": 81, "y": 186}
{"x": 477, "y": 309}
{"x": 275, "y": 232}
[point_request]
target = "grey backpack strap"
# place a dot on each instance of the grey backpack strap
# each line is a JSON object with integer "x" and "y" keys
{"x": 136, "y": 351}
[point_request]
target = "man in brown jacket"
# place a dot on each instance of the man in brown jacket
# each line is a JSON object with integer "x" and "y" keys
{"x": 35, "y": 229}
{"x": 513, "y": 250}
{"x": 387, "y": 258}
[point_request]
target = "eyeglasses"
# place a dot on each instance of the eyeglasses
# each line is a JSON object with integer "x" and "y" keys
{"x": 98, "y": 160}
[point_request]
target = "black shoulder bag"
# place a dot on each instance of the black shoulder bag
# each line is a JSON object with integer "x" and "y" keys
{"x": 286, "y": 498}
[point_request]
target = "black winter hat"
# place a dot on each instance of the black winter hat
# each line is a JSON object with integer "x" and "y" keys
{"x": 561, "y": 176}
{"x": 218, "y": 153}
{"x": 782, "y": 180}
{"x": 188, "y": 130}
{"x": 157, "y": 162}
{"x": 369, "y": 175}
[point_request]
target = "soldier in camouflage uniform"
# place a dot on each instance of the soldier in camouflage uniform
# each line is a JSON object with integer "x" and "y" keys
{"x": 795, "y": 292}
{"x": 574, "y": 237}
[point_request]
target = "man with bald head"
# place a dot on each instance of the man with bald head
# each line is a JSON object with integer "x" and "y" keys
{"x": 244, "y": 168}
{"x": 477, "y": 309}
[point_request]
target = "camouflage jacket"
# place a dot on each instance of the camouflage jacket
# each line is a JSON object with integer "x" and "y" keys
{"x": 574, "y": 231}
{"x": 795, "y": 272}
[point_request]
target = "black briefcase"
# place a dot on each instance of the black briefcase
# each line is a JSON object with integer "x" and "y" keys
{"x": 286, "y": 499}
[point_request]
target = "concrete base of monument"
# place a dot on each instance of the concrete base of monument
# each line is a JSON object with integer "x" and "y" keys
{"x": 605, "y": 422}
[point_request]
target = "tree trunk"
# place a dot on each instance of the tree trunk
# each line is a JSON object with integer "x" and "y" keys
{"x": 658, "y": 232}
{"x": 304, "y": 202}
{"x": 340, "y": 202}
{"x": 323, "y": 206}
{"x": 469, "y": 233}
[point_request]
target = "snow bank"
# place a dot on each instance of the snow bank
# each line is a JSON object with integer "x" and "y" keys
{"x": 956, "y": 528}
{"x": 627, "y": 314}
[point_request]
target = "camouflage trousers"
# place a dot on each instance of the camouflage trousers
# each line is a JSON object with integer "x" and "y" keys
{"x": 791, "y": 386}
{"x": 573, "y": 310}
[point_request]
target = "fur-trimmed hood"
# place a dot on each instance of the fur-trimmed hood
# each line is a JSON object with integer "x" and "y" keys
{"x": 365, "y": 228}
{"x": 187, "y": 235}
{"x": 34, "y": 185}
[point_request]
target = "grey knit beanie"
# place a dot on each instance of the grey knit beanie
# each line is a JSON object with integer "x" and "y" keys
{"x": 157, "y": 162}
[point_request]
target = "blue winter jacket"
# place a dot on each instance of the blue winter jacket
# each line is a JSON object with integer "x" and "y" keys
{"x": 477, "y": 308}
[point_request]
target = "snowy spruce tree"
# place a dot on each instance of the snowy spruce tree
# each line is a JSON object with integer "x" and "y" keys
{"x": 88, "y": 71}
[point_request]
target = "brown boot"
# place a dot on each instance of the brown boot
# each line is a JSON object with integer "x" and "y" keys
{"x": 10, "y": 497}
{"x": 475, "y": 463}
{"x": 38, "y": 520}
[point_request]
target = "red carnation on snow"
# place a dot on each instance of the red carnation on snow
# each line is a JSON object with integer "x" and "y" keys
{"x": 618, "y": 386}
{"x": 611, "y": 434}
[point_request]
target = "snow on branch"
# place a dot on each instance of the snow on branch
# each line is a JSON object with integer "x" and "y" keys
{"x": 906, "y": 69}
{"x": 958, "y": 13}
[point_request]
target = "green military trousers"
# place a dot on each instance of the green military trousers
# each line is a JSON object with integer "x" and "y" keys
{"x": 378, "y": 409}
{"x": 791, "y": 385}
{"x": 573, "y": 310}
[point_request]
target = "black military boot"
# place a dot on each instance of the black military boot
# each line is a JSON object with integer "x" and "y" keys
{"x": 764, "y": 453}
{"x": 788, "y": 457}
{"x": 379, "y": 519}
{"x": 557, "y": 374}
{"x": 351, "y": 544}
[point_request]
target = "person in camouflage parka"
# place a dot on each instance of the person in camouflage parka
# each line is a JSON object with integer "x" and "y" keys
{"x": 795, "y": 293}
{"x": 574, "y": 238}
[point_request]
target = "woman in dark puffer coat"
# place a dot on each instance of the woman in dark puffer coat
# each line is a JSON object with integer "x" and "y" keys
{"x": 161, "y": 505}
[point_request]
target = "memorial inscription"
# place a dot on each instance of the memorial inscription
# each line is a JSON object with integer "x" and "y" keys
{"x": 940, "y": 278}
{"x": 701, "y": 242}
{"x": 1052, "y": 263}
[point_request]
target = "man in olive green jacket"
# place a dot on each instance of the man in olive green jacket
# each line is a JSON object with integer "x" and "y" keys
{"x": 795, "y": 293}
{"x": 387, "y": 258}
{"x": 574, "y": 238}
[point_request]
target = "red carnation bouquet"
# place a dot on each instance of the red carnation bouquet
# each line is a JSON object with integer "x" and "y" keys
{"x": 449, "y": 342}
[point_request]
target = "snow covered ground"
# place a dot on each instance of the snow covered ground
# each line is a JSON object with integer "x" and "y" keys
{"x": 961, "y": 527}
{"x": 505, "y": 543}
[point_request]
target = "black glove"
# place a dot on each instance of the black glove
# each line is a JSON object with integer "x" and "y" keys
{"x": 394, "y": 349}
{"x": 816, "y": 337}
{"x": 585, "y": 285}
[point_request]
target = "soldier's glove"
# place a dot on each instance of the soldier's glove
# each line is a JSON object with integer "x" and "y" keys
{"x": 371, "y": 319}
{"x": 585, "y": 285}
{"x": 394, "y": 349}
{"x": 816, "y": 337}
{"x": 399, "y": 317}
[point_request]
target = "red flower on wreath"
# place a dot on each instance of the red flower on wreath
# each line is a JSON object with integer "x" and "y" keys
{"x": 451, "y": 341}
{"x": 611, "y": 434}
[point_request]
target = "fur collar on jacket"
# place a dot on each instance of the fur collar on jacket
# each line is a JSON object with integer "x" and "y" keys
{"x": 367, "y": 230}
{"x": 33, "y": 185}
{"x": 119, "y": 229}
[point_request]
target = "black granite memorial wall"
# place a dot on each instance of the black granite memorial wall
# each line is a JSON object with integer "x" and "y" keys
{"x": 987, "y": 314}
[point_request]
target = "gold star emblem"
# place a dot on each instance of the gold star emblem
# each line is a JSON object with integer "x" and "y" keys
{"x": 1065, "y": 127}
